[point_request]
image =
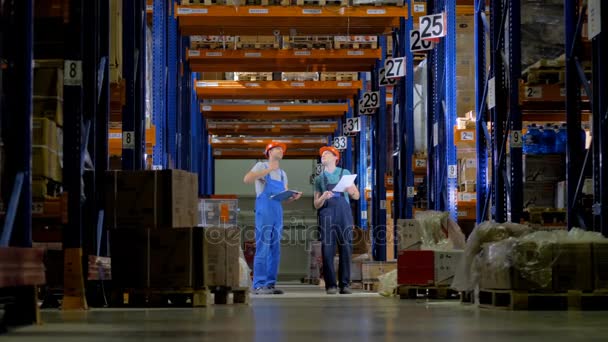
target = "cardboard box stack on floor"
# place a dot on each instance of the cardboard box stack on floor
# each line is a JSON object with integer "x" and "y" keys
{"x": 156, "y": 241}
{"x": 430, "y": 249}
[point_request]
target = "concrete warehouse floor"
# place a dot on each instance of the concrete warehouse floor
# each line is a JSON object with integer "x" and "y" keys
{"x": 306, "y": 313}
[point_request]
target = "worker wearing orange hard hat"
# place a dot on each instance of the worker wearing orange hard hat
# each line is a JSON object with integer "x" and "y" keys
{"x": 336, "y": 220}
{"x": 269, "y": 180}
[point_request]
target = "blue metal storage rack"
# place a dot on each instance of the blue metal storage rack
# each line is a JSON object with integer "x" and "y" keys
{"x": 505, "y": 69}
{"x": 159, "y": 79}
{"x": 600, "y": 124}
{"x": 442, "y": 164}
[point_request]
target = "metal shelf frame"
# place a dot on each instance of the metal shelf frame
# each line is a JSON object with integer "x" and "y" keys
{"x": 506, "y": 190}
{"x": 600, "y": 123}
{"x": 16, "y": 84}
{"x": 442, "y": 163}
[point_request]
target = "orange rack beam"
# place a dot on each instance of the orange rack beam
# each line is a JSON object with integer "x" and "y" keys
{"x": 271, "y": 90}
{"x": 222, "y": 153}
{"x": 283, "y": 60}
{"x": 308, "y": 20}
{"x": 259, "y": 143}
{"x": 278, "y": 111}
{"x": 271, "y": 128}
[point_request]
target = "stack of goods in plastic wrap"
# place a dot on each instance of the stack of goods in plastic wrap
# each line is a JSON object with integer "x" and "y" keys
{"x": 430, "y": 248}
{"x": 520, "y": 259}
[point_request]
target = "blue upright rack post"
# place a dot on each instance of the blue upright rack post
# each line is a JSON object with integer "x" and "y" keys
{"x": 159, "y": 93}
{"x": 379, "y": 189}
{"x": 515, "y": 185}
{"x": 362, "y": 160}
{"x": 481, "y": 87}
{"x": 574, "y": 163}
{"x": 600, "y": 122}
{"x": 406, "y": 116}
{"x": 348, "y": 154}
{"x": 129, "y": 72}
{"x": 141, "y": 24}
{"x": 172, "y": 38}
{"x": 451, "y": 110}
{"x": 17, "y": 122}
{"x": 432, "y": 137}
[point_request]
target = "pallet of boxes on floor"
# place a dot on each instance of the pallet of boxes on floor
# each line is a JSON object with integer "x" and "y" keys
{"x": 162, "y": 254}
{"x": 518, "y": 267}
{"x": 430, "y": 249}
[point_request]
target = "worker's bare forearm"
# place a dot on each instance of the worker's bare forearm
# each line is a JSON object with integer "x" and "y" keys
{"x": 251, "y": 176}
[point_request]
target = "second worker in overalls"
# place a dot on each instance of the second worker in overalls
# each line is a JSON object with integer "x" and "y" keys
{"x": 336, "y": 220}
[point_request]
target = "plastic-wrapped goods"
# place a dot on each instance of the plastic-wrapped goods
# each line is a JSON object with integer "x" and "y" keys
{"x": 244, "y": 271}
{"x": 388, "y": 283}
{"x": 544, "y": 19}
{"x": 439, "y": 232}
{"x": 467, "y": 275}
{"x": 547, "y": 140}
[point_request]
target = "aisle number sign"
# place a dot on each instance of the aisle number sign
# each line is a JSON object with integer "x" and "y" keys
{"x": 341, "y": 142}
{"x": 386, "y": 81}
{"x": 346, "y": 132}
{"x": 417, "y": 43}
{"x": 369, "y": 102}
{"x": 433, "y": 26}
{"x": 353, "y": 125}
{"x": 394, "y": 67}
{"x": 516, "y": 139}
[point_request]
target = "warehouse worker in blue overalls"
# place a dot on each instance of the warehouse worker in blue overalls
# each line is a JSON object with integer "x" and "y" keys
{"x": 336, "y": 220}
{"x": 269, "y": 180}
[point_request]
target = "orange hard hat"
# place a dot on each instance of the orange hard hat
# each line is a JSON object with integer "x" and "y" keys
{"x": 274, "y": 144}
{"x": 331, "y": 149}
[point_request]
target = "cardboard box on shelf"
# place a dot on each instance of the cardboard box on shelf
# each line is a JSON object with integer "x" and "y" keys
{"x": 544, "y": 167}
{"x": 48, "y": 78}
{"x": 48, "y": 107}
{"x": 151, "y": 199}
{"x": 218, "y": 212}
{"x": 44, "y": 133}
{"x": 44, "y": 163}
{"x": 539, "y": 194}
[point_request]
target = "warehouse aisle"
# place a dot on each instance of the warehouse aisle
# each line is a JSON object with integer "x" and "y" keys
{"x": 307, "y": 314}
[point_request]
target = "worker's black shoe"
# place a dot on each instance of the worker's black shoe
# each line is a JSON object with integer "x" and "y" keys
{"x": 346, "y": 290}
{"x": 275, "y": 290}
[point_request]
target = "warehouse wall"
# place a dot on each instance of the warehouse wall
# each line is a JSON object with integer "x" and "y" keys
{"x": 299, "y": 217}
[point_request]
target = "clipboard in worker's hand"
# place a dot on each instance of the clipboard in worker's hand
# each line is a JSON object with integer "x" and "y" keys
{"x": 285, "y": 195}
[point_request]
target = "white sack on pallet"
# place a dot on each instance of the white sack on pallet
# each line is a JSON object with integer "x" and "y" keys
{"x": 439, "y": 232}
{"x": 388, "y": 283}
{"x": 244, "y": 271}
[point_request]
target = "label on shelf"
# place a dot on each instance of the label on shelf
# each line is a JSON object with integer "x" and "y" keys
{"x": 271, "y": 109}
{"x": 115, "y": 136}
{"x": 516, "y": 139}
{"x": 253, "y": 54}
{"x": 595, "y": 17}
{"x": 355, "y": 53}
{"x": 364, "y": 214}
{"x": 253, "y": 85}
{"x": 311, "y": 11}
{"x": 435, "y": 134}
{"x": 38, "y": 208}
{"x": 376, "y": 11}
{"x": 196, "y": 39}
{"x": 207, "y": 84}
{"x": 452, "y": 171}
{"x": 534, "y": 92}
{"x": 207, "y": 108}
{"x": 562, "y": 92}
{"x": 214, "y": 54}
{"x": 382, "y": 204}
{"x": 184, "y": 10}
{"x": 297, "y": 84}
{"x": 345, "y": 84}
{"x": 418, "y": 8}
{"x": 128, "y": 140}
{"x": 72, "y": 73}
{"x": 194, "y": 53}
{"x": 157, "y": 167}
{"x": 419, "y": 163}
{"x": 149, "y": 8}
{"x": 467, "y": 136}
{"x": 410, "y": 192}
{"x": 258, "y": 11}
{"x": 301, "y": 53}
{"x": 492, "y": 93}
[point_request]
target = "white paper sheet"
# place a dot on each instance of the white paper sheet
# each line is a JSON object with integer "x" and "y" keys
{"x": 345, "y": 182}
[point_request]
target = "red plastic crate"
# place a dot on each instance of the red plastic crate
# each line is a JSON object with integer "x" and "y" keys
{"x": 416, "y": 268}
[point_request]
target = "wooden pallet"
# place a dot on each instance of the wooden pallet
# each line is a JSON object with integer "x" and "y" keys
{"x": 147, "y": 297}
{"x": 256, "y": 46}
{"x": 355, "y": 45}
{"x": 339, "y": 76}
{"x": 268, "y": 2}
{"x": 371, "y": 286}
{"x": 18, "y": 307}
{"x": 356, "y": 285}
{"x": 212, "y": 45}
{"x": 311, "y": 281}
{"x": 213, "y": 2}
{"x": 322, "y": 2}
{"x": 299, "y": 76}
{"x": 222, "y": 295}
{"x": 428, "y": 292}
{"x": 524, "y": 300}
{"x": 307, "y": 42}
{"x": 254, "y": 76}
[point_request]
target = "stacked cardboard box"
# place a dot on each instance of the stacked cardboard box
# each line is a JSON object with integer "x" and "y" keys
{"x": 151, "y": 199}
{"x": 542, "y": 175}
{"x": 47, "y": 131}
